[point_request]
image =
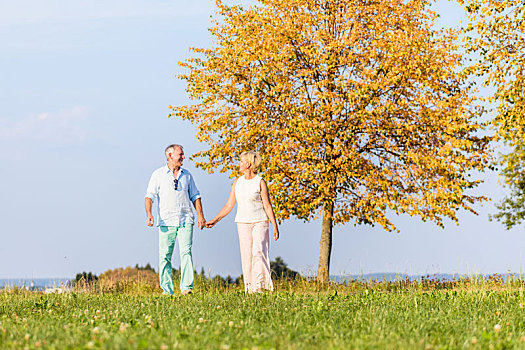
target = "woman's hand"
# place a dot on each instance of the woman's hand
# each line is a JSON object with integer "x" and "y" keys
{"x": 210, "y": 224}
{"x": 275, "y": 233}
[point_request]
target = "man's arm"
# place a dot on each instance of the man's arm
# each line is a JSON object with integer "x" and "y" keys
{"x": 201, "y": 222}
{"x": 195, "y": 198}
{"x": 148, "y": 203}
{"x": 151, "y": 193}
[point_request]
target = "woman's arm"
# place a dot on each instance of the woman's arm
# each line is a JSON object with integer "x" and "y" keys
{"x": 226, "y": 209}
{"x": 268, "y": 208}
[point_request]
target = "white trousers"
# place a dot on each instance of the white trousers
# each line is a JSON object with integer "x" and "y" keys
{"x": 254, "y": 244}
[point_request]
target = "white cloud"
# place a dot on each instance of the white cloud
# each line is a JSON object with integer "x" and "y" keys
{"x": 24, "y": 11}
{"x": 65, "y": 126}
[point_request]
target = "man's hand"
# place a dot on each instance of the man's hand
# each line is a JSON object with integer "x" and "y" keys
{"x": 148, "y": 204}
{"x": 201, "y": 222}
{"x": 149, "y": 220}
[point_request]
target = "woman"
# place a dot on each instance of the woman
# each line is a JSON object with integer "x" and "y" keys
{"x": 253, "y": 211}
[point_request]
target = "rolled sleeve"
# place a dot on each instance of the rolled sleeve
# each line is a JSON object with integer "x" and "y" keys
{"x": 193, "y": 191}
{"x": 152, "y": 191}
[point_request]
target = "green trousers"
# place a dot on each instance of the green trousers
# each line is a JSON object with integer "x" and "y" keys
{"x": 167, "y": 237}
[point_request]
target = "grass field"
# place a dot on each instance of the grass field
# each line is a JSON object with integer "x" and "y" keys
{"x": 479, "y": 314}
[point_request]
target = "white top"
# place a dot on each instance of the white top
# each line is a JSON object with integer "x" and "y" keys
{"x": 249, "y": 202}
{"x": 174, "y": 205}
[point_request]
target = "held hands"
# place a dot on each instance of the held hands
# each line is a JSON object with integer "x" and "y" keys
{"x": 211, "y": 223}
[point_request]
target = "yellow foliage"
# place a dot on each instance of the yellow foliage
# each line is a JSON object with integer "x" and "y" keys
{"x": 353, "y": 103}
{"x": 496, "y": 33}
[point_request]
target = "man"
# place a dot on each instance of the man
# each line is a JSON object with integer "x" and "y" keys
{"x": 174, "y": 190}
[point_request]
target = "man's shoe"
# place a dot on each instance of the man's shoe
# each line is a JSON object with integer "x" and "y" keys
{"x": 187, "y": 292}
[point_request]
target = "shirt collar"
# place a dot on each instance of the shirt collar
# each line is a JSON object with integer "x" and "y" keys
{"x": 167, "y": 169}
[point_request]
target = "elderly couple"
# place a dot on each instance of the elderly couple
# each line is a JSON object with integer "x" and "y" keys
{"x": 174, "y": 189}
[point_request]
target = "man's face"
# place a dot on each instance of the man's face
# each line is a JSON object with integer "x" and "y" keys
{"x": 176, "y": 157}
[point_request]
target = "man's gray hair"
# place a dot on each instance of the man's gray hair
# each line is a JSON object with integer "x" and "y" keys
{"x": 171, "y": 148}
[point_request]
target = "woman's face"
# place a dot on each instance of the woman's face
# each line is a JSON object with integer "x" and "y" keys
{"x": 243, "y": 165}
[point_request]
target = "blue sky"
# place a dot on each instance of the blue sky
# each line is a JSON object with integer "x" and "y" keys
{"x": 84, "y": 93}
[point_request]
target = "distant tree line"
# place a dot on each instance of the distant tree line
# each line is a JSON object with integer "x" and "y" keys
{"x": 279, "y": 268}
{"x": 145, "y": 268}
{"x": 87, "y": 277}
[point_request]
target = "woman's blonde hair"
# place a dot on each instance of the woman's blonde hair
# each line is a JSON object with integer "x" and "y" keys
{"x": 253, "y": 158}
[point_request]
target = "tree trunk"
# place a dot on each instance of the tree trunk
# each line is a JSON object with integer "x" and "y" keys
{"x": 323, "y": 270}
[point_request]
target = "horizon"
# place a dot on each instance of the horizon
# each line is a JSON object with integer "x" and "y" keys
{"x": 38, "y": 284}
{"x": 521, "y": 274}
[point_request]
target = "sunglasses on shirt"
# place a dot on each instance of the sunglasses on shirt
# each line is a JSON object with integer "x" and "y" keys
{"x": 175, "y": 184}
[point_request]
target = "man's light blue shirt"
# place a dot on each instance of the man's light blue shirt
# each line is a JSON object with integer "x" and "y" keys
{"x": 174, "y": 206}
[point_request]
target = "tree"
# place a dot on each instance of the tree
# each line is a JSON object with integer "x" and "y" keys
{"x": 497, "y": 35}
{"x": 281, "y": 270}
{"x": 355, "y": 105}
{"x": 86, "y": 277}
{"x": 148, "y": 267}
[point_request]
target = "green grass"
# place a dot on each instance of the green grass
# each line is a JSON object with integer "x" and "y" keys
{"x": 300, "y": 315}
